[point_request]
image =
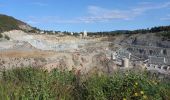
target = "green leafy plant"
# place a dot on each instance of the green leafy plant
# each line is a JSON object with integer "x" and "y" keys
{"x": 29, "y": 83}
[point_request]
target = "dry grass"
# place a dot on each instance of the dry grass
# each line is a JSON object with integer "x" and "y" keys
{"x": 33, "y": 54}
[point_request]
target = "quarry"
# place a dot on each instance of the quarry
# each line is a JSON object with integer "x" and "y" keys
{"x": 84, "y": 50}
{"x": 82, "y": 53}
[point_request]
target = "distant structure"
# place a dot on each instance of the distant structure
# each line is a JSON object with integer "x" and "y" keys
{"x": 123, "y": 53}
{"x": 157, "y": 60}
{"x": 122, "y": 58}
{"x": 154, "y": 59}
{"x": 85, "y": 33}
{"x": 42, "y": 32}
{"x": 125, "y": 62}
{"x": 71, "y": 33}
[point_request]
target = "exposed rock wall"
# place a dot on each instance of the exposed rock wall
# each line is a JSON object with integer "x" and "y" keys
{"x": 149, "y": 39}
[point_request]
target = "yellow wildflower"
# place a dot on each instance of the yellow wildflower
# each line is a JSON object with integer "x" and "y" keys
{"x": 142, "y": 92}
{"x": 136, "y": 94}
{"x": 134, "y": 86}
{"x": 136, "y": 83}
{"x": 145, "y": 97}
{"x": 124, "y": 99}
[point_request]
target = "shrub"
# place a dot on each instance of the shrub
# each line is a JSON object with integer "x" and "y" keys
{"x": 7, "y": 37}
{"x": 33, "y": 83}
{"x": 1, "y": 36}
{"x": 130, "y": 86}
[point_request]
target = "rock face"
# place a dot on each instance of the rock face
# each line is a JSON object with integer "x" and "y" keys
{"x": 25, "y": 27}
{"x": 149, "y": 39}
{"x": 14, "y": 62}
{"x": 47, "y": 42}
{"x": 103, "y": 64}
{"x": 23, "y": 46}
{"x": 67, "y": 53}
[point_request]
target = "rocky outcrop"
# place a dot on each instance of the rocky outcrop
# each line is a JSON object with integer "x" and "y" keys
{"x": 149, "y": 39}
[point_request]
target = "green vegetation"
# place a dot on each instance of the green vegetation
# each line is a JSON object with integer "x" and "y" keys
{"x": 138, "y": 31}
{"x": 8, "y": 23}
{"x": 166, "y": 35}
{"x": 7, "y": 37}
{"x": 1, "y": 36}
{"x": 37, "y": 84}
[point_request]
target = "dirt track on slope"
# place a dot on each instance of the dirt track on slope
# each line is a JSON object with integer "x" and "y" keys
{"x": 14, "y": 53}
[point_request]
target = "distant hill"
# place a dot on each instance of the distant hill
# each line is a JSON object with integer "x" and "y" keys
{"x": 163, "y": 31}
{"x": 8, "y": 23}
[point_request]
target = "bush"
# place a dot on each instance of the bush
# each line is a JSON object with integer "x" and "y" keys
{"x": 129, "y": 86}
{"x": 33, "y": 83}
{"x": 164, "y": 35}
{"x": 7, "y": 37}
{"x": 1, "y": 36}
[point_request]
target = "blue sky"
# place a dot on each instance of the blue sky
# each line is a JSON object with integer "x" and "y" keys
{"x": 90, "y": 15}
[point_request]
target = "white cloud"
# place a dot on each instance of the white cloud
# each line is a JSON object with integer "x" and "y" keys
{"x": 99, "y": 14}
{"x": 103, "y": 14}
{"x": 106, "y": 14}
{"x": 150, "y": 6}
{"x": 167, "y": 18}
{"x": 39, "y": 4}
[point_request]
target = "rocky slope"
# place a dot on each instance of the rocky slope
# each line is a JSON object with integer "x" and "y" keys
{"x": 64, "y": 52}
{"x": 148, "y": 39}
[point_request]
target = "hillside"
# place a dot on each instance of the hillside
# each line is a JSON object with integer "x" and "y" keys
{"x": 8, "y": 23}
{"x": 155, "y": 36}
{"x": 147, "y": 39}
{"x": 101, "y": 65}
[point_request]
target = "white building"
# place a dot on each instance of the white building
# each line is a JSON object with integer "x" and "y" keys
{"x": 125, "y": 62}
{"x": 42, "y": 32}
{"x": 85, "y": 33}
{"x": 71, "y": 33}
